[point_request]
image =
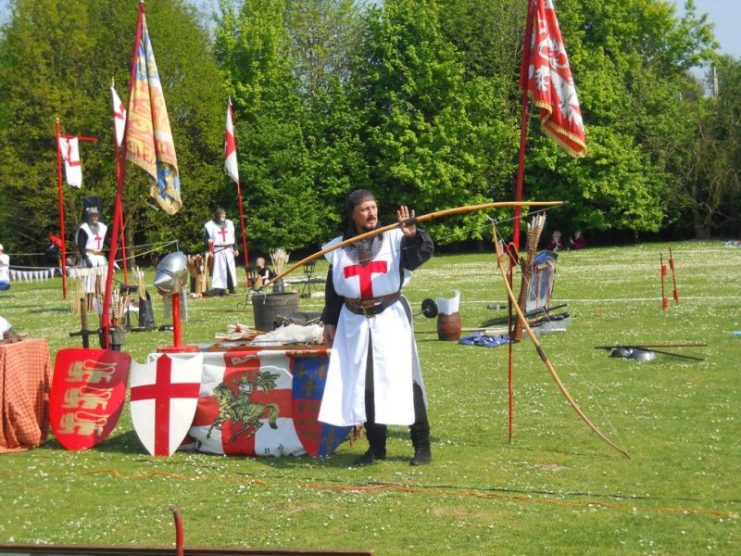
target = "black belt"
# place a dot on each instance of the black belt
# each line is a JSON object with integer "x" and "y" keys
{"x": 372, "y": 306}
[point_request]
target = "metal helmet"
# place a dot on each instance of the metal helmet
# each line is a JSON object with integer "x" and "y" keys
{"x": 171, "y": 273}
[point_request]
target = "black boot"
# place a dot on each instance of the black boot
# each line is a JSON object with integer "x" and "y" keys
{"x": 422, "y": 455}
{"x": 420, "y": 430}
{"x": 377, "y": 444}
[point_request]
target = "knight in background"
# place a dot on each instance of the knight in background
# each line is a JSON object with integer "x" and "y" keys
{"x": 374, "y": 374}
{"x": 91, "y": 237}
{"x": 221, "y": 251}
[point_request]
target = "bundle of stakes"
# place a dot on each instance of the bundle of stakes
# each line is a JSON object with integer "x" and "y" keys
{"x": 279, "y": 257}
{"x": 534, "y": 231}
{"x": 119, "y": 306}
{"x": 141, "y": 286}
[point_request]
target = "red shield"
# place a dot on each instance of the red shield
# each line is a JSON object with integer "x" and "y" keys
{"x": 87, "y": 395}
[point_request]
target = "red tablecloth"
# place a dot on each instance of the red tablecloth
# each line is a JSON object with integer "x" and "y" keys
{"x": 25, "y": 381}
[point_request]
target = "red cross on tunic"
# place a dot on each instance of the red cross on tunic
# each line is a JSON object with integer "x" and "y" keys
{"x": 222, "y": 233}
{"x": 365, "y": 273}
{"x": 162, "y": 391}
{"x": 98, "y": 239}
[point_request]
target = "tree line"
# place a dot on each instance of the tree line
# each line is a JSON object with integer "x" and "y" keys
{"x": 417, "y": 100}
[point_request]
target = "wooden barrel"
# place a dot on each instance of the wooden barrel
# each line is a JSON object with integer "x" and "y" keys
{"x": 449, "y": 327}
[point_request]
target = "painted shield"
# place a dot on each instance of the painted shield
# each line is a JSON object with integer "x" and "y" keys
{"x": 309, "y": 369}
{"x": 245, "y": 406}
{"x": 87, "y": 395}
{"x": 164, "y": 397}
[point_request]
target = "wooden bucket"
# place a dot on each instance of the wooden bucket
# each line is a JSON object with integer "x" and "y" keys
{"x": 449, "y": 327}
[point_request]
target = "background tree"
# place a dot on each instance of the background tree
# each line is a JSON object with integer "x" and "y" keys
{"x": 422, "y": 145}
{"x": 709, "y": 157}
{"x": 288, "y": 65}
{"x": 630, "y": 60}
{"x": 58, "y": 62}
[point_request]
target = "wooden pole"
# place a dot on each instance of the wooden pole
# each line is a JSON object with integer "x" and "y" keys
{"x": 119, "y": 189}
{"x": 60, "y": 207}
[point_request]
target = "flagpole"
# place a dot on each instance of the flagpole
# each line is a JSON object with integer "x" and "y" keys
{"x": 60, "y": 206}
{"x": 119, "y": 190}
{"x": 524, "y": 113}
{"x": 241, "y": 207}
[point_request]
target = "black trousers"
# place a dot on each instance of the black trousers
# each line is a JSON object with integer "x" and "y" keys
{"x": 376, "y": 433}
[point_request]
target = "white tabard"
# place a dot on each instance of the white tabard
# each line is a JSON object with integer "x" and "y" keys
{"x": 224, "y": 240}
{"x": 94, "y": 251}
{"x": 395, "y": 361}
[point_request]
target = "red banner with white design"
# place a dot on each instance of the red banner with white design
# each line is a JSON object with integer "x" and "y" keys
{"x": 550, "y": 84}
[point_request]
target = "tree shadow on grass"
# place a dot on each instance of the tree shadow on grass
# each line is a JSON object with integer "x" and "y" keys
{"x": 52, "y": 310}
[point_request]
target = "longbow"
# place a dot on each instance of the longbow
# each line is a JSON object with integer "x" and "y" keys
{"x": 424, "y": 218}
{"x": 541, "y": 351}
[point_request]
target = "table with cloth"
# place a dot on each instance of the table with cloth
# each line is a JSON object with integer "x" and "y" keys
{"x": 263, "y": 401}
{"x": 25, "y": 381}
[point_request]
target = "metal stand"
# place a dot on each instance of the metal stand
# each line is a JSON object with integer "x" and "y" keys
{"x": 308, "y": 284}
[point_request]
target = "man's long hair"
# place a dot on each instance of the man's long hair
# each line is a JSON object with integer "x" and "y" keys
{"x": 354, "y": 199}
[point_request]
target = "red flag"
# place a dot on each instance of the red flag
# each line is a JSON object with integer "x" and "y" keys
{"x": 550, "y": 83}
{"x": 230, "y": 146}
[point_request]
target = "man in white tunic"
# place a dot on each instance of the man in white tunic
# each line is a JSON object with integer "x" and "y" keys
{"x": 4, "y": 270}
{"x": 220, "y": 244}
{"x": 374, "y": 376}
{"x": 90, "y": 241}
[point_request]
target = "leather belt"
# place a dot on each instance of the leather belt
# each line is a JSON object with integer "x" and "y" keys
{"x": 371, "y": 306}
{"x": 93, "y": 252}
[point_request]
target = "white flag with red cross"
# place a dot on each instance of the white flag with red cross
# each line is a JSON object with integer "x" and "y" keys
{"x": 119, "y": 116}
{"x": 164, "y": 397}
{"x": 69, "y": 149}
{"x": 230, "y": 146}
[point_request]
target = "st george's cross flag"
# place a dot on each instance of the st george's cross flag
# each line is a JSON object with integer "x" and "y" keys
{"x": 119, "y": 116}
{"x": 164, "y": 397}
{"x": 69, "y": 148}
{"x": 230, "y": 146}
{"x": 549, "y": 81}
{"x": 149, "y": 142}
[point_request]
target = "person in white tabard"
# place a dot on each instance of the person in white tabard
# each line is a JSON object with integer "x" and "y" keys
{"x": 90, "y": 242}
{"x": 221, "y": 250}
{"x": 4, "y": 270}
{"x": 374, "y": 375}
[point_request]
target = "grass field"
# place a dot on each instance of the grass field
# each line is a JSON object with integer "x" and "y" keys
{"x": 556, "y": 488}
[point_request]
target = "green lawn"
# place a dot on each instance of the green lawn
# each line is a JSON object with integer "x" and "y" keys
{"x": 556, "y": 488}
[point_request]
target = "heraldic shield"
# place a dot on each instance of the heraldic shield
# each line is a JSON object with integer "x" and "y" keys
{"x": 164, "y": 397}
{"x": 309, "y": 376}
{"x": 87, "y": 395}
{"x": 245, "y": 406}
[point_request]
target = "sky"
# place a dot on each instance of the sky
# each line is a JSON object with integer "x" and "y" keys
{"x": 724, "y": 14}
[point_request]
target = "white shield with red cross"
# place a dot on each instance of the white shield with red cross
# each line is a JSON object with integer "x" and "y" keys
{"x": 164, "y": 397}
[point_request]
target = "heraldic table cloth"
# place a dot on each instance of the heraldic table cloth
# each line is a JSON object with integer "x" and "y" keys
{"x": 263, "y": 402}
